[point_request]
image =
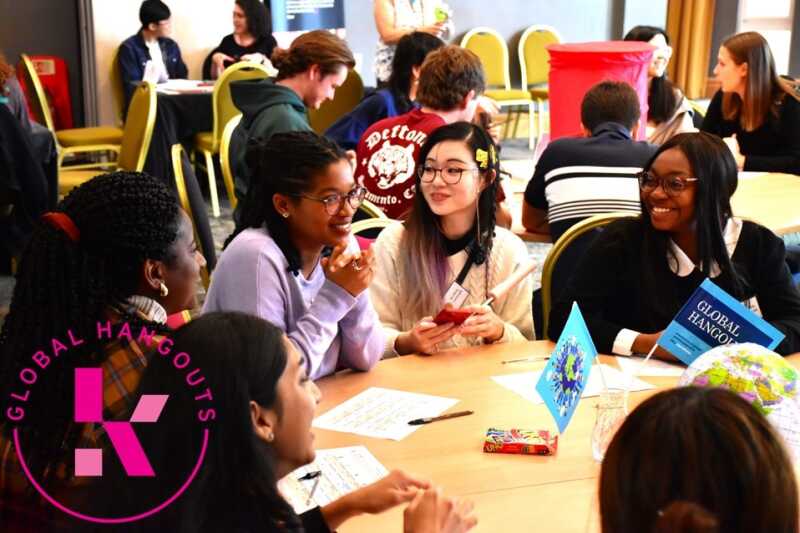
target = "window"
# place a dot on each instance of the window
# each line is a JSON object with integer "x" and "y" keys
{"x": 772, "y": 19}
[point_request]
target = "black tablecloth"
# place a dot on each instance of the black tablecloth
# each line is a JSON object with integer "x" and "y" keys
{"x": 178, "y": 118}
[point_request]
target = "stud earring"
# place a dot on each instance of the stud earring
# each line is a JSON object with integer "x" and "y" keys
{"x": 285, "y": 215}
{"x": 163, "y": 290}
{"x": 270, "y": 437}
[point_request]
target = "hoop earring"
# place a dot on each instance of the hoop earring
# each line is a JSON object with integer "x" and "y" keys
{"x": 163, "y": 290}
{"x": 285, "y": 214}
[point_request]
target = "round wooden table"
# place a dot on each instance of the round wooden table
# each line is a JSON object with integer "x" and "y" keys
{"x": 511, "y": 492}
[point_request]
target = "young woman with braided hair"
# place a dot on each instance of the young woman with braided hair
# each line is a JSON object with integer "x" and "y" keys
{"x": 301, "y": 202}
{"x": 450, "y": 234}
{"x": 117, "y": 250}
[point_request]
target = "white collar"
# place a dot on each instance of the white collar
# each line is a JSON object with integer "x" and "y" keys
{"x": 151, "y": 309}
{"x": 680, "y": 264}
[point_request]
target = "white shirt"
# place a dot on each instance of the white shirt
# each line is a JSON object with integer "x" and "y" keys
{"x": 155, "y": 70}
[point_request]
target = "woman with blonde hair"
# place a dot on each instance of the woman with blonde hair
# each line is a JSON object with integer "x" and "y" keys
{"x": 755, "y": 112}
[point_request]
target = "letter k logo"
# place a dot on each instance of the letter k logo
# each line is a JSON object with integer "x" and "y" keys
{"x": 89, "y": 408}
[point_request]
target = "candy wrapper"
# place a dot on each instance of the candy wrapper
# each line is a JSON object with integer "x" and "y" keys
{"x": 522, "y": 441}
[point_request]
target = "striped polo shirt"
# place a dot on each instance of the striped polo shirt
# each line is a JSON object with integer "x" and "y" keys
{"x": 578, "y": 177}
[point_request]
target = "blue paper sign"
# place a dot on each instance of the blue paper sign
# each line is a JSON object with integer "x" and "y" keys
{"x": 712, "y": 317}
{"x": 567, "y": 372}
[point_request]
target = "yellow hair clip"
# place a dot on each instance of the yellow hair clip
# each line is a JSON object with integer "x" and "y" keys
{"x": 482, "y": 157}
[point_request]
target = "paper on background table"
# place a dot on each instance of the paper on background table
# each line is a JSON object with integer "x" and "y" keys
{"x": 382, "y": 413}
{"x": 343, "y": 470}
{"x": 654, "y": 368}
{"x": 524, "y": 383}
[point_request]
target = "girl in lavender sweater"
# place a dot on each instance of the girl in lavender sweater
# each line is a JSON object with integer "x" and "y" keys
{"x": 273, "y": 267}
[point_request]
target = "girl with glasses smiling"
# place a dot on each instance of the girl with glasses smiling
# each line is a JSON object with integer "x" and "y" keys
{"x": 300, "y": 204}
{"x": 449, "y": 251}
{"x": 639, "y": 272}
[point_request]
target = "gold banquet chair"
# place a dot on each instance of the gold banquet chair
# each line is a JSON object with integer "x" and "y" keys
{"x": 492, "y": 50}
{"x": 558, "y": 249}
{"x": 345, "y": 99}
{"x": 225, "y": 159}
{"x": 136, "y": 138}
{"x": 208, "y": 142}
{"x": 534, "y": 66}
{"x": 74, "y": 140}
{"x": 183, "y": 197}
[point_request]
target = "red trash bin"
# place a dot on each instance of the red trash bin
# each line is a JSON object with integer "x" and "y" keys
{"x": 52, "y": 71}
{"x": 576, "y": 67}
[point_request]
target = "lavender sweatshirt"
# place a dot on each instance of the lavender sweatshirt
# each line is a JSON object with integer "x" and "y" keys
{"x": 326, "y": 323}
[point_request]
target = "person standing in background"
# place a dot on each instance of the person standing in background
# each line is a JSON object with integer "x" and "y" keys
{"x": 397, "y": 18}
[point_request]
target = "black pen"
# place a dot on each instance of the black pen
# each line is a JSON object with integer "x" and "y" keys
{"x": 428, "y": 420}
{"x": 316, "y": 476}
{"x": 310, "y": 475}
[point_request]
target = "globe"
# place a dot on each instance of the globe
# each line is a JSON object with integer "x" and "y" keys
{"x": 760, "y": 376}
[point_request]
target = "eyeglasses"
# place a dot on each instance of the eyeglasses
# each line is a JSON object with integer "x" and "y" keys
{"x": 672, "y": 186}
{"x": 334, "y": 202}
{"x": 450, "y": 175}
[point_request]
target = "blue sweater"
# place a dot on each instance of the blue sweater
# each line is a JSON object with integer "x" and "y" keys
{"x": 379, "y": 105}
{"x": 134, "y": 55}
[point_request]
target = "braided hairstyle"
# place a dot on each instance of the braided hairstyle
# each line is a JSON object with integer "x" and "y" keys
{"x": 63, "y": 284}
{"x": 426, "y": 263}
{"x": 286, "y": 164}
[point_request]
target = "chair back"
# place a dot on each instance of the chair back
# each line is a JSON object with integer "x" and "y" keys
{"x": 346, "y": 98}
{"x": 569, "y": 237}
{"x": 534, "y": 61}
{"x": 368, "y": 210}
{"x": 698, "y": 109}
{"x": 39, "y": 104}
{"x": 177, "y": 153}
{"x": 492, "y": 50}
{"x": 117, "y": 90}
{"x": 222, "y": 102}
{"x": 139, "y": 126}
{"x": 225, "y": 158}
{"x": 366, "y": 231}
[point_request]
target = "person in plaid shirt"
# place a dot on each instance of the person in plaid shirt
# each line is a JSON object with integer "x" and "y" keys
{"x": 118, "y": 250}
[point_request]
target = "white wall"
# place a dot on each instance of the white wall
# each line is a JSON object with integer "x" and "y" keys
{"x": 197, "y": 26}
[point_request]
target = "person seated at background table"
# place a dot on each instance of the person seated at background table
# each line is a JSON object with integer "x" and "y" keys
{"x": 450, "y": 81}
{"x": 450, "y": 236}
{"x": 260, "y": 431}
{"x": 118, "y": 250}
{"x": 398, "y": 96}
{"x": 668, "y": 110}
{"x": 639, "y": 272}
{"x": 577, "y": 177}
{"x": 394, "y": 19}
{"x": 302, "y": 201}
{"x": 150, "y": 44}
{"x": 251, "y": 39}
{"x": 309, "y": 73}
{"x": 755, "y": 112}
{"x": 697, "y": 460}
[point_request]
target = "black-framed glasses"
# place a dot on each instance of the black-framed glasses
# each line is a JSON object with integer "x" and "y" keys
{"x": 450, "y": 175}
{"x": 334, "y": 202}
{"x": 672, "y": 186}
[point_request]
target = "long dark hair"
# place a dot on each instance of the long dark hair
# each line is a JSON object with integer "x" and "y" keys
{"x": 257, "y": 17}
{"x": 661, "y": 98}
{"x": 238, "y": 358}
{"x": 692, "y": 460}
{"x": 411, "y": 51}
{"x": 122, "y": 218}
{"x": 425, "y": 259}
{"x": 717, "y": 179}
{"x": 764, "y": 89}
{"x": 285, "y": 164}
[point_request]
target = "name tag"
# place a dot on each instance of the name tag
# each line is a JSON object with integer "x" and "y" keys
{"x": 456, "y": 295}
